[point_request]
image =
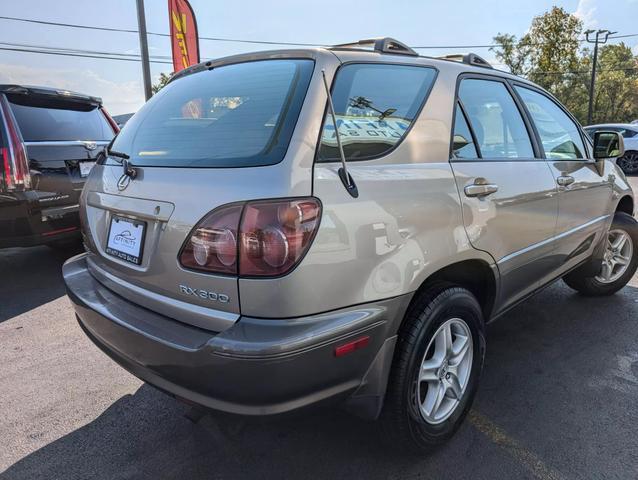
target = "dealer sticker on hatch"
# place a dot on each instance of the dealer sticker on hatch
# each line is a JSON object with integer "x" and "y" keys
{"x": 126, "y": 239}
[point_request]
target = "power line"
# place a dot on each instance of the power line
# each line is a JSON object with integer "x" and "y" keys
{"x": 241, "y": 40}
{"x": 76, "y": 50}
{"x": 125, "y": 30}
{"x": 136, "y": 58}
{"x": 69, "y": 54}
{"x": 629, "y": 69}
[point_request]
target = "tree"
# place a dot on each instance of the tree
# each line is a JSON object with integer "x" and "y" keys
{"x": 616, "y": 95}
{"x": 161, "y": 83}
{"x": 550, "y": 55}
{"x": 545, "y": 52}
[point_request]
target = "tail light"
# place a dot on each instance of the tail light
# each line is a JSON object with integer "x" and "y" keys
{"x": 112, "y": 123}
{"x": 212, "y": 245}
{"x": 15, "y": 163}
{"x": 256, "y": 239}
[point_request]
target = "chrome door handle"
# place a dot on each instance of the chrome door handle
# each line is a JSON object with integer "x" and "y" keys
{"x": 565, "y": 180}
{"x": 480, "y": 189}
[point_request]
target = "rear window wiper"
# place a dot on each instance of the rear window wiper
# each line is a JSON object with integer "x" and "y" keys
{"x": 129, "y": 170}
{"x": 116, "y": 154}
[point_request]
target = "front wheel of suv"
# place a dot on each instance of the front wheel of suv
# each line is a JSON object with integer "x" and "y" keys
{"x": 436, "y": 368}
{"x": 620, "y": 260}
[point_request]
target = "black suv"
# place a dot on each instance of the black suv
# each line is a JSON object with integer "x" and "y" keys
{"x": 49, "y": 140}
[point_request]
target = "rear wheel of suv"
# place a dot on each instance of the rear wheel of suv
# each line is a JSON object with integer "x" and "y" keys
{"x": 436, "y": 368}
{"x": 620, "y": 260}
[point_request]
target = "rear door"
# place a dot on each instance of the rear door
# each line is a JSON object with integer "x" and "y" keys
{"x": 584, "y": 184}
{"x": 508, "y": 193}
{"x": 208, "y": 139}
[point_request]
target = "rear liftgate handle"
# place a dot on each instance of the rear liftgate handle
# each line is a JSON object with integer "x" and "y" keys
{"x": 480, "y": 188}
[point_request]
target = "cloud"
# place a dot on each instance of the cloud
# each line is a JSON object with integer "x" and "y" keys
{"x": 586, "y": 12}
{"x": 118, "y": 97}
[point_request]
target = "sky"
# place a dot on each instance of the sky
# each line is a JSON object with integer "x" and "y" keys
{"x": 119, "y": 83}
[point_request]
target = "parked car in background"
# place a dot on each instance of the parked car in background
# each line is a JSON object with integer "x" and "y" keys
{"x": 258, "y": 241}
{"x": 629, "y": 131}
{"x": 122, "y": 119}
{"x": 49, "y": 141}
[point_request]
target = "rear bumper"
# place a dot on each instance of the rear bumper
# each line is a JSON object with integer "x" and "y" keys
{"x": 256, "y": 367}
{"x": 24, "y": 223}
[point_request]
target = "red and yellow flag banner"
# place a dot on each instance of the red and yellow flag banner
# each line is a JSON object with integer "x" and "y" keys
{"x": 184, "y": 39}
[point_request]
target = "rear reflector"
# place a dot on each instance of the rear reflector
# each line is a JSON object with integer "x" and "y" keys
{"x": 58, "y": 231}
{"x": 350, "y": 347}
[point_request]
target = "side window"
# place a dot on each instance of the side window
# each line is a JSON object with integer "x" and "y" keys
{"x": 463, "y": 146}
{"x": 375, "y": 104}
{"x": 558, "y": 133}
{"x": 626, "y": 133}
{"x": 495, "y": 119}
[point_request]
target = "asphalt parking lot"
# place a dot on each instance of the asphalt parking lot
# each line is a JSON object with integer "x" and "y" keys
{"x": 557, "y": 401}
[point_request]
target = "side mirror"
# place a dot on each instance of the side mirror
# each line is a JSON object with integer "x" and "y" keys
{"x": 608, "y": 145}
{"x": 459, "y": 141}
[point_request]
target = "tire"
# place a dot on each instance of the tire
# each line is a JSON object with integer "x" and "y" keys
{"x": 403, "y": 418}
{"x": 628, "y": 163}
{"x": 597, "y": 285}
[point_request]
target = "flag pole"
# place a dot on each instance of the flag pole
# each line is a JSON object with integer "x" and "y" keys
{"x": 146, "y": 69}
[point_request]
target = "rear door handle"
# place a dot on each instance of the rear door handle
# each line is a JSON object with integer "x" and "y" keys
{"x": 565, "y": 180}
{"x": 480, "y": 189}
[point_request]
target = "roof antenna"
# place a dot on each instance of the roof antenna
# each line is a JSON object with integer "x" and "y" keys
{"x": 345, "y": 177}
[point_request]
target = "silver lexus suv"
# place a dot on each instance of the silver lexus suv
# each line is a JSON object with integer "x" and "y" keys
{"x": 295, "y": 227}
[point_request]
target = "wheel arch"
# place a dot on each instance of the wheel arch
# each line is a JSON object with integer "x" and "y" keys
{"x": 626, "y": 205}
{"x": 475, "y": 275}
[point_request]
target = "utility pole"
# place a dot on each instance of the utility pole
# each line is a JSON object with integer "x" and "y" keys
{"x": 146, "y": 68}
{"x": 601, "y": 37}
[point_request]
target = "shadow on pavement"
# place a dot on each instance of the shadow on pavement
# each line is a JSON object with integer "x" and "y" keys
{"x": 146, "y": 435}
{"x": 30, "y": 277}
{"x": 539, "y": 389}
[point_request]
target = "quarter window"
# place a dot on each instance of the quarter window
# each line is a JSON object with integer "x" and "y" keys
{"x": 375, "y": 106}
{"x": 559, "y": 134}
{"x": 495, "y": 119}
{"x": 463, "y": 146}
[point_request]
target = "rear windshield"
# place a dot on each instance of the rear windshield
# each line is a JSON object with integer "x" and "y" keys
{"x": 43, "y": 120}
{"x": 231, "y": 116}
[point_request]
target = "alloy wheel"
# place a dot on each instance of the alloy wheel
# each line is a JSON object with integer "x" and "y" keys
{"x": 617, "y": 257}
{"x": 444, "y": 372}
{"x": 628, "y": 163}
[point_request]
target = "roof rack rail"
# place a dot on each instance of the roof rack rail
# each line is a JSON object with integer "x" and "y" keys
{"x": 382, "y": 45}
{"x": 467, "y": 58}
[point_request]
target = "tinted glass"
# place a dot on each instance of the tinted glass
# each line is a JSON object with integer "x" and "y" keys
{"x": 49, "y": 120}
{"x": 495, "y": 119}
{"x": 463, "y": 146}
{"x": 375, "y": 106}
{"x": 231, "y": 116}
{"x": 559, "y": 134}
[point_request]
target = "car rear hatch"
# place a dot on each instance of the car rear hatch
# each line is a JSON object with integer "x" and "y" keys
{"x": 219, "y": 136}
{"x": 63, "y": 133}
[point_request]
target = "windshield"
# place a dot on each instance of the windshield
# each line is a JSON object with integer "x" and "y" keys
{"x": 231, "y": 116}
